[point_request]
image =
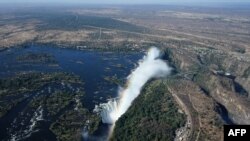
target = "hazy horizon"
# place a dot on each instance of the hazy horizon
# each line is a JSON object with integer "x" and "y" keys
{"x": 127, "y": 2}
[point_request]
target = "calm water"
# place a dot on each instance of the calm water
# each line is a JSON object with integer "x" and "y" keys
{"x": 91, "y": 66}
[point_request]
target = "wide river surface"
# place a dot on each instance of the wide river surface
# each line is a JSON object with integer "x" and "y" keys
{"x": 92, "y": 67}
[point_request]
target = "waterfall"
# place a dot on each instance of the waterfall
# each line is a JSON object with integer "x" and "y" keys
{"x": 151, "y": 66}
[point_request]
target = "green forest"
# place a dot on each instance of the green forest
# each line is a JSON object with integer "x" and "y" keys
{"x": 153, "y": 116}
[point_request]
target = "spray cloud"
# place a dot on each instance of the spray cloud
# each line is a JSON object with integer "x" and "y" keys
{"x": 151, "y": 66}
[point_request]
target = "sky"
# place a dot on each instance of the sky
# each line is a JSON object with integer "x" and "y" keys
{"x": 122, "y": 1}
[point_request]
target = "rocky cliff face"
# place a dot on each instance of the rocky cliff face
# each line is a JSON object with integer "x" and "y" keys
{"x": 223, "y": 76}
{"x": 202, "y": 109}
{"x": 223, "y": 91}
{"x": 244, "y": 82}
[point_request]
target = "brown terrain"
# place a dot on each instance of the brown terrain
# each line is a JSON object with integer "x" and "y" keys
{"x": 208, "y": 47}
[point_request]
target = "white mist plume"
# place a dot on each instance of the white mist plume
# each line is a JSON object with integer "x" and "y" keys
{"x": 151, "y": 66}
